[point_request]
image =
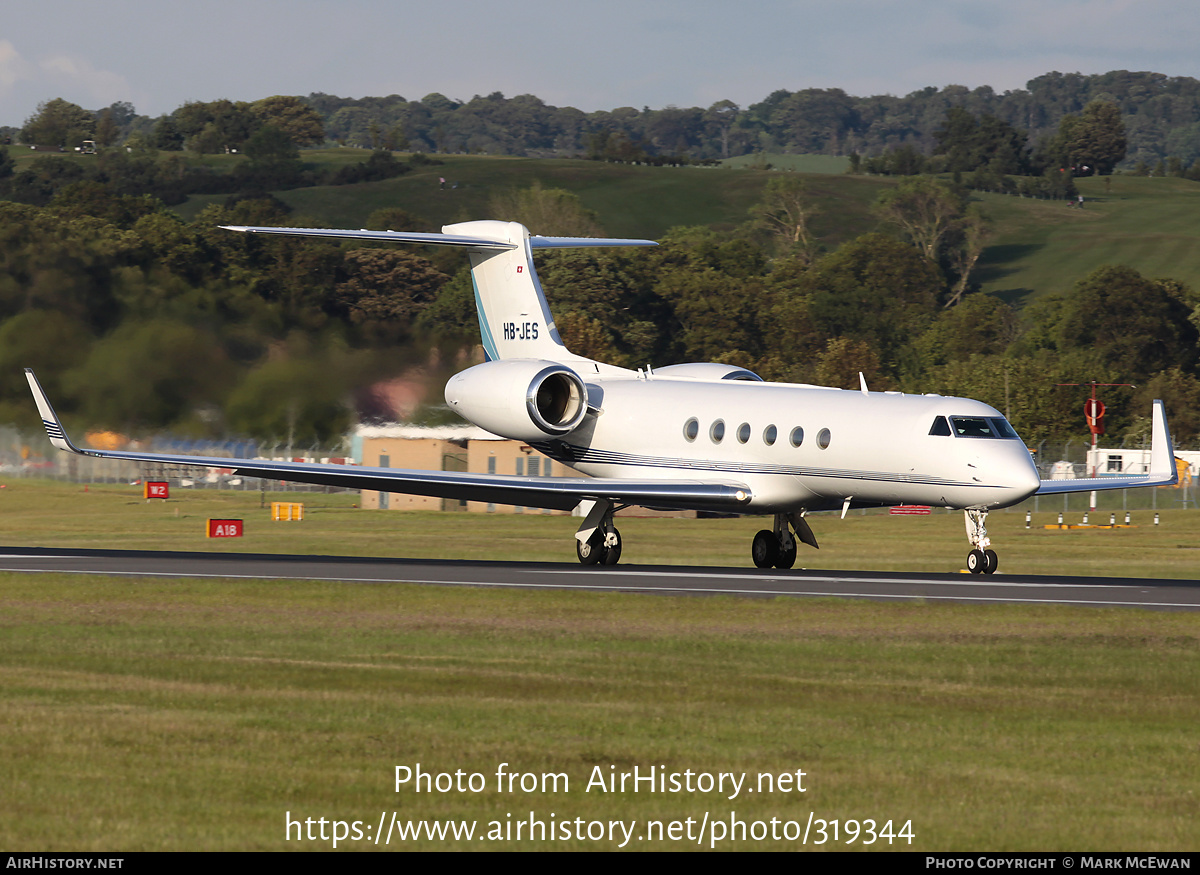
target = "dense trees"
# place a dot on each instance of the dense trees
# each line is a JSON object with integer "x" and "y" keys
{"x": 926, "y": 209}
{"x": 969, "y": 143}
{"x": 58, "y": 123}
{"x": 384, "y": 290}
{"x": 786, "y": 214}
{"x": 158, "y": 323}
{"x": 298, "y": 121}
{"x": 274, "y": 164}
{"x": 137, "y": 320}
{"x": 968, "y": 128}
{"x": 554, "y": 212}
{"x": 1121, "y": 322}
{"x": 1151, "y": 106}
{"x": 1092, "y": 142}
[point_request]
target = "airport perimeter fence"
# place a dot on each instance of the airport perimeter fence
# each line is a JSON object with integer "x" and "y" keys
{"x": 24, "y": 455}
{"x": 1074, "y": 460}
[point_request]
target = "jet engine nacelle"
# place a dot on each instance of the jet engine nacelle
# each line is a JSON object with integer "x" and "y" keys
{"x": 521, "y": 399}
{"x": 708, "y": 371}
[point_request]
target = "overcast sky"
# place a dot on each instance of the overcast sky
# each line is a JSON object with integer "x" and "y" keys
{"x": 591, "y": 55}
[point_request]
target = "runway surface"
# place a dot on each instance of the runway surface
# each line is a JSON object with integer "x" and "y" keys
{"x": 889, "y": 586}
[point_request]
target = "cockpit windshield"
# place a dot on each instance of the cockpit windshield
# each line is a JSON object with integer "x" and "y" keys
{"x": 981, "y": 427}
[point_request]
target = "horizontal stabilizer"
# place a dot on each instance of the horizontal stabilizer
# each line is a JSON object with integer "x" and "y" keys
{"x": 1162, "y": 465}
{"x": 575, "y": 242}
{"x": 430, "y": 239}
{"x": 379, "y": 236}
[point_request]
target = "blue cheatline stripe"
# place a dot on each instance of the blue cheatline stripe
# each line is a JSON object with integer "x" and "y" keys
{"x": 586, "y": 455}
{"x": 53, "y": 428}
{"x": 485, "y": 332}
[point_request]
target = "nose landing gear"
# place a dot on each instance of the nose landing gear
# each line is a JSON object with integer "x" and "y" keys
{"x": 980, "y": 560}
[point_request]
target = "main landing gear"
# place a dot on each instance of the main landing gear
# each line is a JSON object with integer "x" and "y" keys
{"x": 777, "y": 548}
{"x": 980, "y": 560}
{"x": 598, "y": 542}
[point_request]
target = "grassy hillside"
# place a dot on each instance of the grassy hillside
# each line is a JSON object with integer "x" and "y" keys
{"x": 1038, "y": 247}
{"x": 803, "y": 163}
{"x": 630, "y": 200}
{"x": 1152, "y": 225}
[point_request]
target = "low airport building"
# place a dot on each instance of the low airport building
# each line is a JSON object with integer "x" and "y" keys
{"x": 1122, "y": 461}
{"x": 448, "y": 448}
{"x": 457, "y": 448}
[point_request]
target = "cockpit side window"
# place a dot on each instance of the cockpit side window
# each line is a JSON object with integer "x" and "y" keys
{"x": 941, "y": 428}
{"x": 1003, "y": 428}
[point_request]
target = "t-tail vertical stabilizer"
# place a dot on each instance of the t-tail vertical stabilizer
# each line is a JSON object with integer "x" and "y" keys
{"x": 514, "y": 318}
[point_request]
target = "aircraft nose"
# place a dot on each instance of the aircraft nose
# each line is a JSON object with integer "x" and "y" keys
{"x": 1022, "y": 477}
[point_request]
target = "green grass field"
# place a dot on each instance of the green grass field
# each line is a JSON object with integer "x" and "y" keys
{"x": 630, "y": 200}
{"x": 150, "y": 714}
{"x": 836, "y": 164}
{"x": 1040, "y": 247}
{"x": 48, "y": 514}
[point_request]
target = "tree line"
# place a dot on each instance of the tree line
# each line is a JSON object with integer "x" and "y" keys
{"x": 1160, "y": 113}
{"x": 988, "y": 154}
{"x": 141, "y": 167}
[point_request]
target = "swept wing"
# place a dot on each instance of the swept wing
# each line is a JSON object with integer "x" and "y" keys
{"x": 559, "y": 493}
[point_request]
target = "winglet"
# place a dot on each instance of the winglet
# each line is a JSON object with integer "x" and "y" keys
{"x": 1162, "y": 448}
{"x": 54, "y": 429}
{"x": 1162, "y": 465}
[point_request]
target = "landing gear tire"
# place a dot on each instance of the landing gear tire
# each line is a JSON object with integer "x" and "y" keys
{"x": 787, "y": 557}
{"x": 592, "y": 550}
{"x": 992, "y": 561}
{"x": 977, "y": 562}
{"x": 611, "y": 555}
{"x": 765, "y": 550}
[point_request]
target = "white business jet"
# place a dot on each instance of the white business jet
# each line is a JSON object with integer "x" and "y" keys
{"x": 701, "y": 436}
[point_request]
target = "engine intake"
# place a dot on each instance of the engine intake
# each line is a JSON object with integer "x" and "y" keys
{"x": 521, "y": 399}
{"x": 557, "y": 400}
